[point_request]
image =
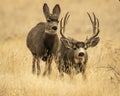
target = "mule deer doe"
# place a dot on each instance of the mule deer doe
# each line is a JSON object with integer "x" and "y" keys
{"x": 73, "y": 57}
{"x": 43, "y": 40}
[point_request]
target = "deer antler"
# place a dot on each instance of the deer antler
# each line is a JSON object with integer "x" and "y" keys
{"x": 96, "y": 30}
{"x": 63, "y": 24}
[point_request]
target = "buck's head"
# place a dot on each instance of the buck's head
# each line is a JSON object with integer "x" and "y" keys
{"x": 80, "y": 48}
{"x": 52, "y": 18}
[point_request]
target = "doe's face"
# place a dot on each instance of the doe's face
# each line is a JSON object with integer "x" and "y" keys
{"x": 51, "y": 25}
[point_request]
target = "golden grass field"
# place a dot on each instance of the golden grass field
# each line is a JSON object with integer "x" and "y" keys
{"x": 17, "y": 17}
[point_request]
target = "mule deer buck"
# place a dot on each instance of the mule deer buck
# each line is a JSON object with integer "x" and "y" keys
{"x": 73, "y": 57}
{"x": 43, "y": 40}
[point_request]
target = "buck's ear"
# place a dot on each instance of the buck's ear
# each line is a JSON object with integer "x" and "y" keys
{"x": 57, "y": 10}
{"x": 94, "y": 42}
{"x": 46, "y": 10}
{"x": 66, "y": 43}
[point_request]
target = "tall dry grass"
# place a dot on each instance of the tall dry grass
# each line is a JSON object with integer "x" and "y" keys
{"x": 19, "y": 16}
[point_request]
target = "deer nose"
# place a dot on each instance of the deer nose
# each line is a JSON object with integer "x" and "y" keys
{"x": 54, "y": 28}
{"x": 81, "y": 54}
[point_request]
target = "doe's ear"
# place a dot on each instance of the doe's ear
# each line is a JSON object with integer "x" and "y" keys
{"x": 57, "y": 10}
{"x": 66, "y": 43}
{"x": 94, "y": 42}
{"x": 46, "y": 10}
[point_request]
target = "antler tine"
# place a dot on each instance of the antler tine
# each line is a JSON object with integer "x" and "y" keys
{"x": 67, "y": 18}
{"x": 98, "y": 30}
{"x": 90, "y": 18}
{"x": 95, "y": 25}
{"x": 63, "y": 23}
{"x": 61, "y": 28}
{"x": 97, "y": 22}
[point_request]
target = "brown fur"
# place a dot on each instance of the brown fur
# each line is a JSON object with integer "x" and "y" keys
{"x": 43, "y": 40}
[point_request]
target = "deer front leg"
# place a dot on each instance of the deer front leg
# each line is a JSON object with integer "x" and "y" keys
{"x": 48, "y": 65}
{"x": 60, "y": 68}
{"x": 45, "y": 71}
{"x": 60, "y": 71}
{"x": 38, "y": 67}
{"x": 83, "y": 69}
{"x": 33, "y": 65}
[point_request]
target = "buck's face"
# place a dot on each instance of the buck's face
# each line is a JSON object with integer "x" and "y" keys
{"x": 52, "y": 19}
{"x": 78, "y": 48}
{"x": 79, "y": 51}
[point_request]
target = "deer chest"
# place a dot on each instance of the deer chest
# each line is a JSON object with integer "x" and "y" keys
{"x": 49, "y": 41}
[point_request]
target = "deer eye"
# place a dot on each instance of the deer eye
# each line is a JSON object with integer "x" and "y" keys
{"x": 74, "y": 48}
{"x": 57, "y": 21}
{"x": 48, "y": 20}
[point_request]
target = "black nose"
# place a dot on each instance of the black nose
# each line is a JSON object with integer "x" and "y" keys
{"x": 81, "y": 54}
{"x": 54, "y": 28}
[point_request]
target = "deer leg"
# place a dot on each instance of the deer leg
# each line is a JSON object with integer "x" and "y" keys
{"x": 60, "y": 68}
{"x": 61, "y": 72}
{"x": 83, "y": 75}
{"x": 46, "y": 67}
{"x": 49, "y": 64}
{"x": 45, "y": 71}
{"x": 83, "y": 72}
{"x": 33, "y": 65}
{"x": 38, "y": 66}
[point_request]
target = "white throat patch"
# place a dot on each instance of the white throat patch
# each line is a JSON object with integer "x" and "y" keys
{"x": 50, "y": 32}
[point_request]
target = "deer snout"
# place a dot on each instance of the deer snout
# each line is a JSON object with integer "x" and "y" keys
{"x": 81, "y": 54}
{"x": 54, "y": 27}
